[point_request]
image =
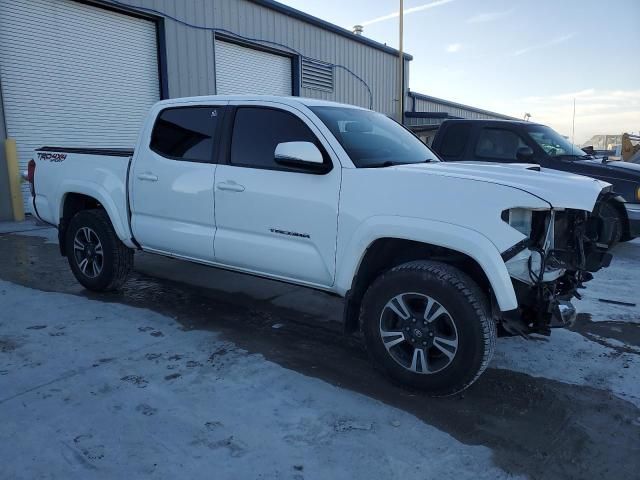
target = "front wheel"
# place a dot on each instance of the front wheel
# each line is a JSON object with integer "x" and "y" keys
{"x": 97, "y": 257}
{"x": 426, "y": 326}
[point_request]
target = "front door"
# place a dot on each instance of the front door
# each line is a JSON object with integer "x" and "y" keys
{"x": 271, "y": 219}
{"x": 172, "y": 183}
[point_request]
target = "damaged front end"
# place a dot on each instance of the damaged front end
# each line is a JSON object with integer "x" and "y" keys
{"x": 562, "y": 250}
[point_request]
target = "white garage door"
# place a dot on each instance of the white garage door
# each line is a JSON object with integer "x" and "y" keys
{"x": 74, "y": 75}
{"x": 242, "y": 70}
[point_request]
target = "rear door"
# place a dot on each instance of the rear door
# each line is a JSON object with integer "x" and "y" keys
{"x": 271, "y": 219}
{"x": 172, "y": 182}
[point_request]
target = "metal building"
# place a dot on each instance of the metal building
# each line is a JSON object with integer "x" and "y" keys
{"x": 84, "y": 72}
{"x": 424, "y": 113}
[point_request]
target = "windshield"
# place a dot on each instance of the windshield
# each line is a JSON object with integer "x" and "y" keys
{"x": 554, "y": 144}
{"x": 371, "y": 139}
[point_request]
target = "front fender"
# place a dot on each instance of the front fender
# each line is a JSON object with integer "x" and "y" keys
{"x": 117, "y": 210}
{"x": 451, "y": 236}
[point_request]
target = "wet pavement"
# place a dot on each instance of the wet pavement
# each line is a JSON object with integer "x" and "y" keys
{"x": 535, "y": 426}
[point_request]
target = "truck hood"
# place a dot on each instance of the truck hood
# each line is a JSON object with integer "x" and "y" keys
{"x": 624, "y": 170}
{"x": 559, "y": 189}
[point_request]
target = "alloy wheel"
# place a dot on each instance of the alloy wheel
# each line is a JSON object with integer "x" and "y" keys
{"x": 88, "y": 252}
{"x": 419, "y": 333}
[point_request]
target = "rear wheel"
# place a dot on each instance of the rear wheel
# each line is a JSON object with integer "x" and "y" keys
{"x": 97, "y": 257}
{"x": 426, "y": 326}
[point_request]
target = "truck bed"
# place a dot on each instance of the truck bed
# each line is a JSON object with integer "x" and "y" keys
{"x": 98, "y": 173}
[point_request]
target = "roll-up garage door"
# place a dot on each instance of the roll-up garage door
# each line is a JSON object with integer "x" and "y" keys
{"x": 243, "y": 70}
{"x": 74, "y": 75}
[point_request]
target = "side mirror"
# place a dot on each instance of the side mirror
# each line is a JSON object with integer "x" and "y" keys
{"x": 525, "y": 155}
{"x": 304, "y": 155}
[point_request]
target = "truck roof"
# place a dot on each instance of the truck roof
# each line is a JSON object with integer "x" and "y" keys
{"x": 493, "y": 121}
{"x": 288, "y": 100}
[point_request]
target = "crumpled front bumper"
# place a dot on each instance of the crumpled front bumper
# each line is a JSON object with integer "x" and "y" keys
{"x": 548, "y": 271}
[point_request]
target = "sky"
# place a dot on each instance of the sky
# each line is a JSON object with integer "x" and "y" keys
{"x": 515, "y": 57}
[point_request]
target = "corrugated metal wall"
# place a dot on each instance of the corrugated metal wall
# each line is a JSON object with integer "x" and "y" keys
{"x": 415, "y": 122}
{"x": 424, "y": 105}
{"x": 190, "y": 52}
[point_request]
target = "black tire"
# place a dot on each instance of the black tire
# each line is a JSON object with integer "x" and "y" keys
{"x": 466, "y": 307}
{"x": 117, "y": 258}
{"x": 608, "y": 211}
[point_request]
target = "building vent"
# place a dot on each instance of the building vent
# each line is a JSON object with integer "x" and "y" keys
{"x": 317, "y": 75}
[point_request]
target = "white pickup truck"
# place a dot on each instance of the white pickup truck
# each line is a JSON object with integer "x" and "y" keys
{"x": 432, "y": 258}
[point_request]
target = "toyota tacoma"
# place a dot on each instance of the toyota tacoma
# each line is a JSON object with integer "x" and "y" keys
{"x": 431, "y": 257}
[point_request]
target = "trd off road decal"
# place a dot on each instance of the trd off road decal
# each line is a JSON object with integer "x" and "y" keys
{"x": 52, "y": 157}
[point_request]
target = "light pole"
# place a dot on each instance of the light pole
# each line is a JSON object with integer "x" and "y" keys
{"x": 401, "y": 68}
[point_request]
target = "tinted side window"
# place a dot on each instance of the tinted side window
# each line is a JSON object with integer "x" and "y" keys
{"x": 498, "y": 143}
{"x": 257, "y": 132}
{"x": 186, "y": 133}
{"x": 455, "y": 140}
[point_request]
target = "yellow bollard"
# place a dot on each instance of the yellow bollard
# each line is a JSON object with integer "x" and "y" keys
{"x": 17, "y": 201}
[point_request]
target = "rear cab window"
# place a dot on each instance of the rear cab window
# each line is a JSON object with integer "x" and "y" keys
{"x": 186, "y": 133}
{"x": 454, "y": 141}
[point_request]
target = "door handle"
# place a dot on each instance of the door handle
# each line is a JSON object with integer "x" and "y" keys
{"x": 230, "y": 186}
{"x": 148, "y": 176}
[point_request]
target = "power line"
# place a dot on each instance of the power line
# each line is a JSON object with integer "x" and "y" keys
{"x": 247, "y": 39}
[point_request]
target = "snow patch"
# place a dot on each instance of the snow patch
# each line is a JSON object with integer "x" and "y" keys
{"x": 108, "y": 396}
{"x": 571, "y": 358}
{"x": 620, "y": 281}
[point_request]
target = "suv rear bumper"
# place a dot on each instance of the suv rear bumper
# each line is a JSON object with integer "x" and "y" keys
{"x": 633, "y": 214}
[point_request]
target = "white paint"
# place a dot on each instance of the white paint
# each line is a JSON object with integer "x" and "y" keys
{"x": 284, "y": 201}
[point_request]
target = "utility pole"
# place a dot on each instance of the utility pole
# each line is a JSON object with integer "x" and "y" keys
{"x": 401, "y": 68}
{"x": 573, "y": 125}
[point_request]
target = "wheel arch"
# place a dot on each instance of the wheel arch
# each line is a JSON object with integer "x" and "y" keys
{"x": 386, "y": 253}
{"x": 77, "y": 199}
{"x": 461, "y": 247}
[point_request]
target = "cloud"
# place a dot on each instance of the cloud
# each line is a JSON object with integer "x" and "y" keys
{"x": 488, "y": 16}
{"x": 550, "y": 43}
{"x": 407, "y": 11}
{"x": 454, "y": 47}
{"x": 563, "y": 96}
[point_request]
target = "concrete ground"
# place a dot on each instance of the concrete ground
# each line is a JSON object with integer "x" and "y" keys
{"x": 200, "y": 372}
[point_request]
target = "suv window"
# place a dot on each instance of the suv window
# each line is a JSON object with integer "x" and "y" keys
{"x": 186, "y": 133}
{"x": 455, "y": 140}
{"x": 499, "y": 144}
{"x": 258, "y": 130}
